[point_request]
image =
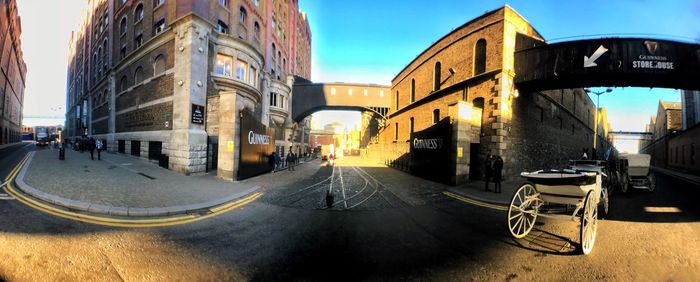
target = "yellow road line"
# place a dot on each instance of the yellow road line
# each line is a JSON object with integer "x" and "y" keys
{"x": 120, "y": 222}
{"x": 15, "y": 169}
{"x": 475, "y": 202}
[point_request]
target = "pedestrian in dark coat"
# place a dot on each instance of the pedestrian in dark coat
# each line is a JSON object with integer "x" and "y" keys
{"x": 98, "y": 146}
{"x": 488, "y": 171}
{"x": 290, "y": 161}
{"x": 278, "y": 160}
{"x": 91, "y": 148}
{"x": 498, "y": 173}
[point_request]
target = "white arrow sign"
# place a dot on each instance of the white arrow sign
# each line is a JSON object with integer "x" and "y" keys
{"x": 590, "y": 62}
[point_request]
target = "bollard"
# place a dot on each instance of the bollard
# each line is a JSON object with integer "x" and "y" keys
{"x": 62, "y": 153}
{"x": 329, "y": 199}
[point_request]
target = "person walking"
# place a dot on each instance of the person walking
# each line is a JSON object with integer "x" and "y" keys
{"x": 91, "y": 148}
{"x": 98, "y": 146}
{"x": 290, "y": 160}
{"x": 497, "y": 173}
{"x": 488, "y": 171}
{"x": 278, "y": 160}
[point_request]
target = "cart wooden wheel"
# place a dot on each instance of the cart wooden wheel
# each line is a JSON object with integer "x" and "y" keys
{"x": 605, "y": 200}
{"x": 522, "y": 212}
{"x": 652, "y": 182}
{"x": 624, "y": 182}
{"x": 589, "y": 223}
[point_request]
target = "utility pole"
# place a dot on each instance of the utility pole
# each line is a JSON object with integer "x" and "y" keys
{"x": 595, "y": 126}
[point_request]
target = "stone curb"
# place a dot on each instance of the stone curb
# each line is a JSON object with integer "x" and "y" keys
{"x": 480, "y": 199}
{"x": 120, "y": 211}
{"x": 674, "y": 174}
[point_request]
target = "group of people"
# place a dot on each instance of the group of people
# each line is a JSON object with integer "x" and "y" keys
{"x": 493, "y": 171}
{"x": 276, "y": 161}
{"x": 90, "y": 144}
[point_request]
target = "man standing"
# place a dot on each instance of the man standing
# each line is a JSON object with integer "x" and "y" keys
{"x": 290, "y": 160}
{"x": 488, "y": 171}
{"x": 497, "y": 173}
{"x": 91, "y": 147}
{"x": 98, "y": 146}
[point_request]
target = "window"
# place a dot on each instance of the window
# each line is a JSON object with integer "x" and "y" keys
{"x": 221, "y": 27}
{"x": 122, "y": 52}
{"x": 223, "y": 3}
{"x": 158, "y": 65}
{"x": 397, "y": 100}
{"x": 159, "y": 26}
{"x": 253, "y": 76}
{"x": 138, "y": 75}
{"x": 156, "y": 3}
{"x": 138, "y": 40}
{"x": 413, "y": 91}
{"x": 365, "y": 92}
{"x": 224, "y": 65}
{"x": 241, "y": 17}
{"x": 436, "y": 116}
{"x": 123, "y": 84}
{"x": 256, "y": 2}
{"x": 241, "y": 68}
{"x": 381, "y": 93}
{"x": 138, "y": 13}
{"x": 436, "y": 76}
{"x": 410, "y": 126}
{"x": 273, "y": 99}
{"x": 349, "y": 91}
{"x": 396, "y": 132}
{"x": 332, "y": 90}
{"x": 274, "y": 49}
{"x": 480, "y": 57}
{"x": 122, "y": 26}
{"x": 256, "y": 30}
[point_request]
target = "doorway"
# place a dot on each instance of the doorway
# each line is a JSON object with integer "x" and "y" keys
{"x": 475, "y": 164}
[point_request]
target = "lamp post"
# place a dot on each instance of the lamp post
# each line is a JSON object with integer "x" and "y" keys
{"x": 597, "y": 109}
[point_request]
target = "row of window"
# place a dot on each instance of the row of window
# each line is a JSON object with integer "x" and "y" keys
{"x": 158, "y": 27}
{"x": 365, "y": 92}
{"x": 158, "y": 68}
{"x": 479, "y": 66}
{"x": 243, "y": 71}
{"x": 9, "y": 136}
{"x": 278, "y": 100}
{"x": 678, "y": 157}
{"x": 436, "y": 119}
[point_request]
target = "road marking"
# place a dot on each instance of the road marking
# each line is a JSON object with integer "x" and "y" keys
{"x": 342, "y": 187}
{"x": 475, "y": 202}
{"x": 115, "y": 222}
{"x": 662, "y": 209}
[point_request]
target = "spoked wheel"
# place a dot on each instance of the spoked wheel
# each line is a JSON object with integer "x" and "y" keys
{"x": 652, "y": 182}
{"x": 624, "y": 183}
{"x": 522, "y": 212}
{"x": 589, "y": 223}
{"x": 604, "y": 200}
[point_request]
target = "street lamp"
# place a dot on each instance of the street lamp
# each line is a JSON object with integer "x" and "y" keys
{"x": 595, "y": 126}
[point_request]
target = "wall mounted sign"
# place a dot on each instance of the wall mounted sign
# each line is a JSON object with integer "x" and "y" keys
{"x": 197, "y": 114}
{"x": 229, "y": 146}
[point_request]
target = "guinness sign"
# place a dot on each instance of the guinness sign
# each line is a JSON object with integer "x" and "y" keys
{"x": 256, "y": 147}
{"x": 431, "y": 154}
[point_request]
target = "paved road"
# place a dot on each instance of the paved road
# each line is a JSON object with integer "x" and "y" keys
{"x": 394, "y": 227}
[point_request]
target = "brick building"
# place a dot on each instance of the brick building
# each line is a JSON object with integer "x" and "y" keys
{"x": 12, "y": 76}
{"x": 466, "y": 77}
{"x": 173, "y": 78}
{"x": 663, "y": 126}
{"x": 690, "y": 108}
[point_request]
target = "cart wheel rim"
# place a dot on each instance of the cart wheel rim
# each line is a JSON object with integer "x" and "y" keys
{"x": 625, "y": 183}
{"x": 522, "y": 213}
{"x": 605, "y": 197}
{"x": 652, "y": 182}
{"x": 589, "y": 224}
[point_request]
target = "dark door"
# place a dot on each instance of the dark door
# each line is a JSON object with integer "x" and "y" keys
{"x": 475, "y": 163}
{"x": 212, "y": 153}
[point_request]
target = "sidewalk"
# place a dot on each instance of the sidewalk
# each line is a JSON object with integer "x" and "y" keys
{"x": 121, "y": 185}
{"x": 692, "y": 178}
{"x": 474, "y": 189}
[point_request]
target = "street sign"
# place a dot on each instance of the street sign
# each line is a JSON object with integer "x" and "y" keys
{"x": 197, "y": 114}
{"x": 590, "y": 62}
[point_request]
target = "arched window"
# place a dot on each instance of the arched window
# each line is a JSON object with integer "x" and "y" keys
{"x": 138, "y": 75}
{"x": 158, "y": 65}
{"x": 123, "y": 84}
{"x": 256, "y": 30}
{"x": 122, "y": 26}
{"x": 436, "y": 76}
{"x": 138, "y": 13}
{"x": 413, "y": 90}
{"x": 241, "y": 18}
{"x": 274, "y": 49}
{"x": 480, "y": 57}
{"x": 436, "y": 116}
{"x": 479, "y": 103}
{"x": 104, "y": 47}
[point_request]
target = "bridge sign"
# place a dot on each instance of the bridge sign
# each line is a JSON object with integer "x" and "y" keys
{"x": 608, "y": 62}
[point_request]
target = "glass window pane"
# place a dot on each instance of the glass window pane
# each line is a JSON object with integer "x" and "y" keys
{"x": 252, "y": 78}
{"x": 223, "y": 65}
{"x": 241, "y": 67}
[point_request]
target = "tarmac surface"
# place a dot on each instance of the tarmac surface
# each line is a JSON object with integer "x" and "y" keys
{"x": 407, "y": 229}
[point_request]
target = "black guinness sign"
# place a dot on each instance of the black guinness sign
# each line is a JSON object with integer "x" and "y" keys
{"x": 431, "y": 152}
{"x": 197, "y": 114}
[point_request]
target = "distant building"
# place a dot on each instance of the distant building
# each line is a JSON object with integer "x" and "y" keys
{"x": 189, "y": 80}
{"x": 666, "y": 124}
{"x": 12, "y": 76}
{"x": 690, "y": 106}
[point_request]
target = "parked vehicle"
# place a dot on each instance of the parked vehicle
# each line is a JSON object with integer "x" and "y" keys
{"x": 639, "y": 172}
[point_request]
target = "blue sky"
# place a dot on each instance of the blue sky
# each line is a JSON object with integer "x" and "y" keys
{"x": 371, "y": 41}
